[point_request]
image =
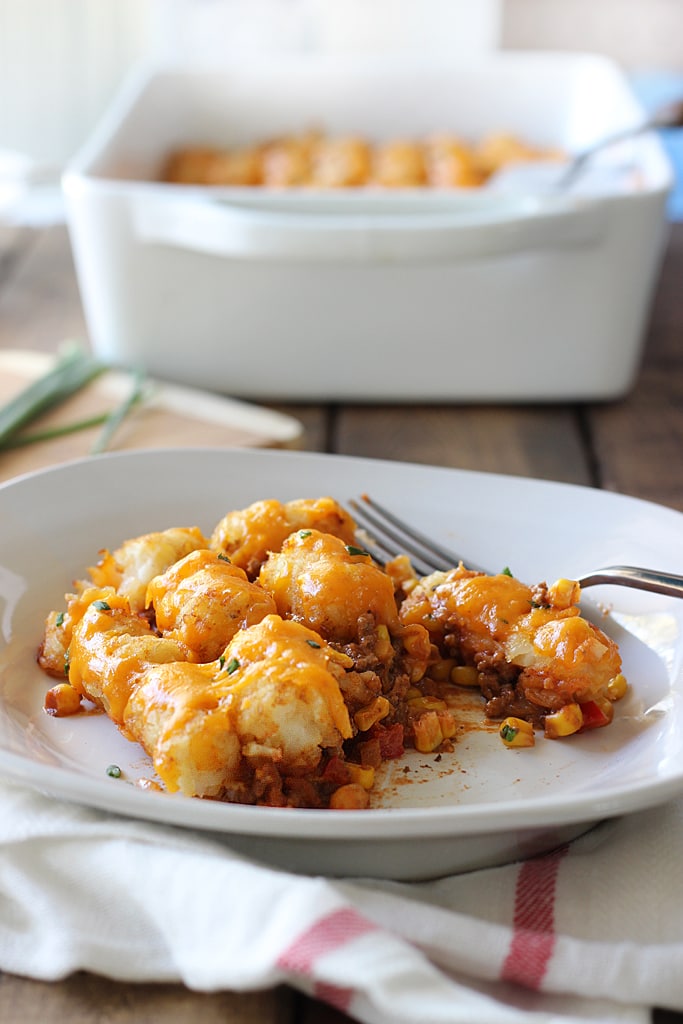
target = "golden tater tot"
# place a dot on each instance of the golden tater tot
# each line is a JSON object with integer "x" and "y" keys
{"x": 502, "y": 150}
{"x": 288, "y": 162}
{"x": 341, "y": 163}
{"x": 130, "y": 567}
{"x": 450, "y": 163}
{"x": 247, "y": 535}
{"x": 235, "y": 167}
{"x": 110, "y": 649}
{"x": 190, "y": 166}
{"x": 328, "y": 585}
{"x": 273, "y": 697}
{"x": 399, "y": 164}
{"x": 203, "y": 600}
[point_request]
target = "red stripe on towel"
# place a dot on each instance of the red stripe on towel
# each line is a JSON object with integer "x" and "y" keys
{"x": 326, "y": 935}
{"x": 339, "y": 998}
{"x": 533, "y": 939}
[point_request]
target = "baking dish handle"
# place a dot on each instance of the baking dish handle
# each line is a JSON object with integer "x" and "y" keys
{"x": 239, "y": 232}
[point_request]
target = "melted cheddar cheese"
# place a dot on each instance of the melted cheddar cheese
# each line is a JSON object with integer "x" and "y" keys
{"x": 273, "y": 697}
{"x": 248, "y": 535}
{"x": 202, "y": 600}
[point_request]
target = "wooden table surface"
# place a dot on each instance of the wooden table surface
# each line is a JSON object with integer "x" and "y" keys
{"x": 634, "y": 446}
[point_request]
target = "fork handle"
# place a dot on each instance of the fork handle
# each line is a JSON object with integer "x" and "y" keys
{"x": 639, "y": 579}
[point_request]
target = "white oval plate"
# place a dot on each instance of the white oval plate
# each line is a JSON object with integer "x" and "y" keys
{"x": 481, "y": 805}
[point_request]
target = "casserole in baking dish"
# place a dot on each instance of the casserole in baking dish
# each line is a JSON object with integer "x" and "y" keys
{"x": 402, "y": 294}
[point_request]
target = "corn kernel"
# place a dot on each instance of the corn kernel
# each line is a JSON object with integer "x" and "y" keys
{"x": 364, "y": 775}
{"x": 447, "y": 723}
{"x": 413, "y": 692}
{"x": 427, "y": 703}
{"x": 427, "y": 730}
{"x": 515, "y": 732}
{"x": 383, "y": 645}
{"x": 564, "y": 722}
{"x": 464, "y": 675}
{"x": 416, "y": 643}
{"x": 442, "y": 669}
{"x": 62, "y": 700}
{"x": 617, "y": 687}
{"x": 351, "y": 797}
{"x": 564, "y": 593}
{"x": 375, "y": 711}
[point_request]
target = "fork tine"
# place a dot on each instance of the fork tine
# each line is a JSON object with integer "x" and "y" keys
{"x": 390, "y": 536}
{"x": 378, "y": 520}
{"x": 381, "y": 552}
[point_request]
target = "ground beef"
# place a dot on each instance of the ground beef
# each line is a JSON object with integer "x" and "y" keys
{"x": 502, "y": 685}
{"x": 396, "y": 685}
{"x": 359, "y": 688}
{"x": 302, "y": 793}
{"x": 539, "y": 595}
{"x": 267, "y": 787}
{"x": 363, "y": 651}
{"x": 510, "y": 700}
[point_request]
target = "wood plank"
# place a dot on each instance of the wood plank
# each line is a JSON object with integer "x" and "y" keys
{"x": 315, "y": 421}
{"x": 39, "y": 301}
{"x": 638, "y": 442}
{"x": 86, "y": 999}
{"x": 313, "y": 1012}
{"x": 542, "y": 441}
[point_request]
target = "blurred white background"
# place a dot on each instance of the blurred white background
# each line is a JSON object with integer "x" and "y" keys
{"x": 62, "y": 60}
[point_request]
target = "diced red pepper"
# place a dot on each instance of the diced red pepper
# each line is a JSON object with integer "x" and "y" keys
{"x": 336, "y": 772}
{"x": 595, "y": 716}
{"x": 390, "y": 740}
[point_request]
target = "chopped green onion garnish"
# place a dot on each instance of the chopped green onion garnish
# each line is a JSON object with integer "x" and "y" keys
{"x": 102, "y": 606}
{"x": 59, "y": 621}
{"x": 506, "y": 571}
{"x": 353, "y": 550}
{"x": 304, "y": 533}
{"x": 508, "y": 733}
{"x": 232, "y": 666}
{"x": 224, "y": 558}
{"x": 116, "y": 418}
{"x": 114, "y": 771}
{"x": 22, "y": 440}
{"x": 72, "y": 371}
{"x": 312, "y": 643}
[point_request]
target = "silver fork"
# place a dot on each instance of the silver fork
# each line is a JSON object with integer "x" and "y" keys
{"x": 385, "y": 535}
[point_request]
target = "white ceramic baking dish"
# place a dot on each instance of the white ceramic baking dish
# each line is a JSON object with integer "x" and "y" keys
{"x": 462, "y": 295}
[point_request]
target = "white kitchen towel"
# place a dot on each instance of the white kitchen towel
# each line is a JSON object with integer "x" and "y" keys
{"x": 590, "y": 932}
